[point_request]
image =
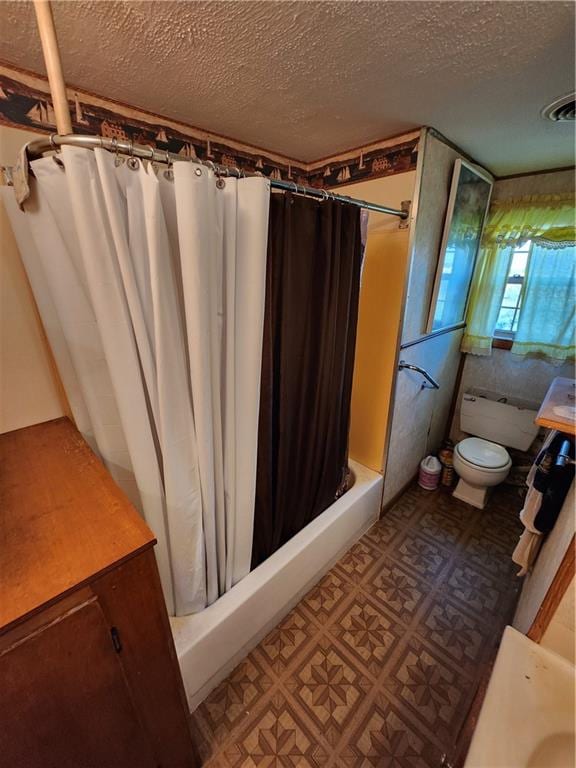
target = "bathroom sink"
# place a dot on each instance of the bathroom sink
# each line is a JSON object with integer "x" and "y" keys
{"x": 555, "y": 751}
{"x": 527, "y": 718}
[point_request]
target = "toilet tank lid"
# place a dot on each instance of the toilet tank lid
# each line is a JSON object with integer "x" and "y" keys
{"x": 483, "y": 453}
{"x": 496, "y": 397}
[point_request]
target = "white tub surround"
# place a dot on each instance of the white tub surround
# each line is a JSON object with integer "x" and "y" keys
{"x": 210, "y": 644}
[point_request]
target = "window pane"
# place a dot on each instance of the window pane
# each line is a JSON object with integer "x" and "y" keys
{"x": 525, "y": 246}
{"x": 448, "y": 261}
{"x": 507, "y": 322}
{"x": 519, "y": 261}
{"x": 511, "y": 294}
{"x": 546, "y": 321}
{"x": 505, "y": 319}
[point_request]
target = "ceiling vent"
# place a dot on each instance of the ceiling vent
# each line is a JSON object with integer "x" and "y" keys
{"x": 561, "y": 110}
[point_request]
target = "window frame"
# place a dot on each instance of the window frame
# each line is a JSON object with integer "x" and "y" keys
{"x": 505, "y": 339}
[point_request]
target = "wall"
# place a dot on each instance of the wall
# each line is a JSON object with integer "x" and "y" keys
{"x": 420, "y": 415}
{"x": 437, "y": 168}
{"x": 554, "y": 183}
{"x": 559, "y": 636}
{"x": 501, "y": 371}
{"x": 25, "y": 103}
{"x": 29, "y": 385}
{"x": 530, "y": 379}
{"x": 537, "y": 582}
{"x": 381, "y": 295}
{"x": 508, "y": 375}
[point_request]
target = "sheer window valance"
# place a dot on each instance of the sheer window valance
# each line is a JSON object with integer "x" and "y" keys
{"x": 546, "y": 320}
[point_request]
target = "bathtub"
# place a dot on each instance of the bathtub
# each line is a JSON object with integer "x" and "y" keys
{"x": 211, "y": 643}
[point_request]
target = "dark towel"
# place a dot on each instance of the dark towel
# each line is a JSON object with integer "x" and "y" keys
{"x": 553, "y": 482}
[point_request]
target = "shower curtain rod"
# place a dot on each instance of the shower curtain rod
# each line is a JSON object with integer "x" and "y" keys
{"x": 50, "y": 49}
{"x": 38, "y": 147}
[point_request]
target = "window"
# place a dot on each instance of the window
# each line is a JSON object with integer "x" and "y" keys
{"x": 522, "y": 297}
{"x": 507, "y": 322}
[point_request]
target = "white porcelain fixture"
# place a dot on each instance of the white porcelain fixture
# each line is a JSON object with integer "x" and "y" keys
{"x": 480, "y": 466}
{"x": 527, "y": 718}
{"x": 210, "y": 644}
{"x": 482, "y": 462}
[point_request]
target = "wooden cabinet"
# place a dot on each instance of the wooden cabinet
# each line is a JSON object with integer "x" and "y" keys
{"x": 88, "y": 671}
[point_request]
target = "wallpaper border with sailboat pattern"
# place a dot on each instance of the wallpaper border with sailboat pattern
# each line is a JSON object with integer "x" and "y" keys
{"x": 25, "y": 103}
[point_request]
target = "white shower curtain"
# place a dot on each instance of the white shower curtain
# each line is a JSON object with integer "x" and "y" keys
{"x": 151, "y": 291}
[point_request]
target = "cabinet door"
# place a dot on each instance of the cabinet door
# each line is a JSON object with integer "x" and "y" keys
{"x": 64, "y": 702}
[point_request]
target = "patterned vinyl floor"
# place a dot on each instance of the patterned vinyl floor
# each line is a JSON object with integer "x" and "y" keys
{"x": 378, "y": 664}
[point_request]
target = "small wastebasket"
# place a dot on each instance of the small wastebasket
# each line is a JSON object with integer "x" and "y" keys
{"x": 429, "y": 476}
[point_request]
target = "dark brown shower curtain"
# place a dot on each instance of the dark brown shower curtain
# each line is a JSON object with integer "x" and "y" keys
{"x": 313, "y": 284}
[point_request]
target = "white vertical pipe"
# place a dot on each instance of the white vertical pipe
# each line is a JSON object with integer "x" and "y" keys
{"x": 47, "y": 31}
{"x": 49, "y": 41}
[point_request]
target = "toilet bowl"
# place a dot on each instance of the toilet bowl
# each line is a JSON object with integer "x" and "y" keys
{"x": 480, "y": 465}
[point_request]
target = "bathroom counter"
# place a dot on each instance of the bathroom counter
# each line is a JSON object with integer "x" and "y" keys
{"x": 558, "y": 410}
{"x": 527, "y": 718}
{"x": 63, "y": 520}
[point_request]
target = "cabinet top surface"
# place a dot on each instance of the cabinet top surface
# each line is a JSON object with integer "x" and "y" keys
{"x": 63, "y": 520}
{"x": 558, "y": 410}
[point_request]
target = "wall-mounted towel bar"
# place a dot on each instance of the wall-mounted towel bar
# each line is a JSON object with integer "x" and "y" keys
{"x": 429, "y": 382}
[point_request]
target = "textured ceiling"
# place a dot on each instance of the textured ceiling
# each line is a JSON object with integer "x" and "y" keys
{"x": 310, "y": 79}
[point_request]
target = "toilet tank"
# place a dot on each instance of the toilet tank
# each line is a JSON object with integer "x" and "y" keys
{"x": 504, "y": 420}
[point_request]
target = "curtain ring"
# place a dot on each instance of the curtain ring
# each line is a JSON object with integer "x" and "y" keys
{"x": 295, "y": 187}
{"x": 53, "y": 144}
{"x": 132, "y": 163}
{"x": 151, "y": 160}
{"x": 116, "y": 150}
{"x": 220, "y": 172}
{"x": 324, "y": 195}
{"x": 168, "y": 172}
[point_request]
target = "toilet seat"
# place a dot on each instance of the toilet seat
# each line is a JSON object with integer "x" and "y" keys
{"x": 476, "y": 452}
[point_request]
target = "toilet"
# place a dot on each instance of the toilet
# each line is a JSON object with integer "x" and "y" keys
{"x": 494, "y": 422}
